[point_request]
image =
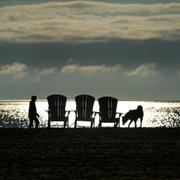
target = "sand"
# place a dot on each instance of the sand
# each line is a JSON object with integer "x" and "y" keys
{"x": 105, "y": 153}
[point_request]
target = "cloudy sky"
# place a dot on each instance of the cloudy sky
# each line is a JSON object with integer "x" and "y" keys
{"x": 129, "y": 49}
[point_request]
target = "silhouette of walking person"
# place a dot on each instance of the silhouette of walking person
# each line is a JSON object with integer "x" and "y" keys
{"x": 33, "y": 115}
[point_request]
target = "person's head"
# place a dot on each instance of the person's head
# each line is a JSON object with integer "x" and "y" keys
{"x": 33, "y": 98}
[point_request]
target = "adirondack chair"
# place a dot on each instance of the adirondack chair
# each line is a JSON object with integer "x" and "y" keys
{"x": 56, "y": 111}
{"x": 84, "y": 109}
{"x": 107, "y": 111}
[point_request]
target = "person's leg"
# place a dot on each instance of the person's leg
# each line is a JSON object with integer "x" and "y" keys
{"x": 30, "y": 122}
{"x": 37, "y": 122}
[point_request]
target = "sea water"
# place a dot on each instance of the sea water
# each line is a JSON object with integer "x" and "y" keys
{"x": 14, "y": 113}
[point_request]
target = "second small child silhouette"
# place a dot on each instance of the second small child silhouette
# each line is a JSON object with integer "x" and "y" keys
{"x": 33, "y": 115}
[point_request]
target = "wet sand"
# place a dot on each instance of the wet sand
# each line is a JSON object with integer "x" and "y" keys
{"x": 90, "y": 153}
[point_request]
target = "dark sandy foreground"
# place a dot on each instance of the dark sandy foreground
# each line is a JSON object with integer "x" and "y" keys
{"x": 90, "y": 154}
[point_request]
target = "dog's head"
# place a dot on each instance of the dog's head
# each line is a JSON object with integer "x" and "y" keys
{"x": 140, "y": 108}
{"x": 124, "y": 119}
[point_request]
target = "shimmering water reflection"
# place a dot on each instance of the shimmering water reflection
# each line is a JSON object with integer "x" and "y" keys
{"x": 156, "y": 114}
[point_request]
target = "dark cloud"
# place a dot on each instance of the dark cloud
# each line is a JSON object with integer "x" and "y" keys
{"x": 18, "y": 2}
{"x": 128, "y": 53}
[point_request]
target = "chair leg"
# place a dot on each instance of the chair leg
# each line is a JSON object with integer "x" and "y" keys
{"x": 92, "y": 123}
{"x": 49, "y": 123}
{"x": 115, "y": 125}
{"x": 100, "y": 124}
{"x": 64, "y": 124}
{"x": 75, "y": 126}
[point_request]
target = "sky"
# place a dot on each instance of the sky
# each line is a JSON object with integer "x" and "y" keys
{"x": 129, "y": 49}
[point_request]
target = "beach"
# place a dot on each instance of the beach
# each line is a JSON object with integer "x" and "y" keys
{"x": 105, "y": 153}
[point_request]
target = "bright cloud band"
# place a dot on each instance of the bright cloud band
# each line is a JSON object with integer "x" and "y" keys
{"x": 19, "y": 70}
{"x": 88, "y": 21}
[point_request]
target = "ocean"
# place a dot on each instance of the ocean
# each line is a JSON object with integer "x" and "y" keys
{"x": 14, "y": 113}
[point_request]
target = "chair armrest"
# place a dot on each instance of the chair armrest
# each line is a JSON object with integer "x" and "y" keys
{"x": 68, "y": 112}
{"x": 94, "y": 113}
{"x": 47, "y": 111}
{"x": 99, "y": 113}
{"x": 73, "y": 111}
{"x": 119, "y": 114}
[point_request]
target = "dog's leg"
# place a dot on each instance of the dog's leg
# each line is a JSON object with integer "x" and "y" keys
{"x": 141, "y": 119}
{"x": 129, "y": 124}
{"x": 141, "y": 123}
{"x": 135, "y": 122}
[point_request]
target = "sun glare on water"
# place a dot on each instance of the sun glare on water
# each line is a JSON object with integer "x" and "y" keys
{"x": 156, "y": 114}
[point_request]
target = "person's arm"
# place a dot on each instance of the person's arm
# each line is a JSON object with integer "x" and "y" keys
{"x": 36, "y": 110}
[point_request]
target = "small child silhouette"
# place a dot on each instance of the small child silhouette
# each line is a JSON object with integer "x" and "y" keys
{"x": 33, "y": 115}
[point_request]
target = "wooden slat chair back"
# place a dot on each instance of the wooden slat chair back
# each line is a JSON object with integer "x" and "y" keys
{"x": 56, "y": 111}
{"x": 84, "y": 108}
{"x": 107, "y": 108}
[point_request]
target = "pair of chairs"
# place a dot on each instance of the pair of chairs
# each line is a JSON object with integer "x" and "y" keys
{"x": 84, "y": 110}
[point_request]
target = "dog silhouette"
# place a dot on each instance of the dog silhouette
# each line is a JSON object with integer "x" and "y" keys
{"x": 134, "y": 115}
